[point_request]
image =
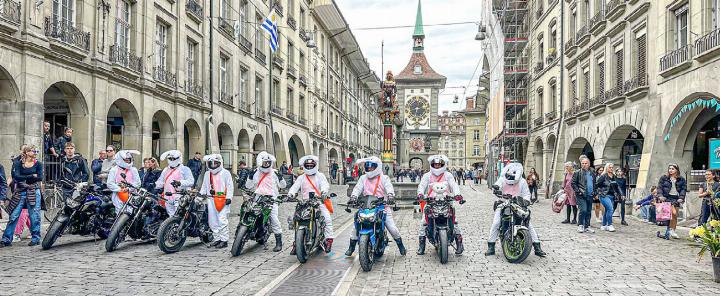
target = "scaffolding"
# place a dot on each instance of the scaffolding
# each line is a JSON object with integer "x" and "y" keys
{"x": 512, "y": 16}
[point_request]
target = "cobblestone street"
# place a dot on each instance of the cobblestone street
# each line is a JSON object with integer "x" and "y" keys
{"x": 621, "y": 263}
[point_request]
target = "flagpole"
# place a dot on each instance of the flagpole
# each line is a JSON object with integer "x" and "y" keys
{"x": 272, "y": 55}
{"x": 208, "y": 139}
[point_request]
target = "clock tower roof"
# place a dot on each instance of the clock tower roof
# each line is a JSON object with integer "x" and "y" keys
{"x": 418, "y": 67}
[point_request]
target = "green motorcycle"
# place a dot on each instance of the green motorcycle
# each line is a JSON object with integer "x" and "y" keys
{"x": 254, "y": 221}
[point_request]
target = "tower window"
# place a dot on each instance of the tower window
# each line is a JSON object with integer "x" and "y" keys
{"x": 417, "y": 69}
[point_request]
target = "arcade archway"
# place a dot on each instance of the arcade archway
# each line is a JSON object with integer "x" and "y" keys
{"x": 192, "y": 138}
{"x": 163, "y": 134}
{"x": 580, "y": 146}
{"x": 124, "y": 130}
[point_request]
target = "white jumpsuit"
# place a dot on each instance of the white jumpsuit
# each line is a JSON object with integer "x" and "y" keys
{"x": 424, "y": 189}
{"x": 366, "y": 186}
{"x": 322, "y": 185}
{"x": 524, "y": 191}
{"x": 269, "y": 186}
{"x": 218, "y": 221}
{"x": 114, "y": 179}
{"x": 180, "y": 173}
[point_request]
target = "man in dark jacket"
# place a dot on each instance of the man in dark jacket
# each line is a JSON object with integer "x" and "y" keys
{"x": 66, "y": 138}
{"x": 96, "y": 167}
{"x": 583, "y": 183}
{"x": 195, "y": 165}
{"x": 243, "y": 173}
{"x": 74, "y": 168}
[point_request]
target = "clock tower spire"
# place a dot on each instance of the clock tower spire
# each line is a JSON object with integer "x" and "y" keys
{"x": 419, "y": 34}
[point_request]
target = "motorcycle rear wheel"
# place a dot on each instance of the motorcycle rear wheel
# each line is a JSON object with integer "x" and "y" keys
{"x": 56, "y": 229}
{"x": 300, "y": 251}
{"x": 117, "y": 233}
{"x": 518, "y": 251}
{"x": 239, "y": 241}
{"x": 169, "y": 239}
{"x": 443, "y": 245}
{"x": 366, "y": 253}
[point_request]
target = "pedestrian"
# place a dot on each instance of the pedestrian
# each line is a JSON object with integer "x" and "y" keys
{"x": 175, "y": 171}
{"x": 66, "y": 137}
{"x": 195, "y": 165}
{"x": 673, "y": 189}
{"x": 459, "y": 175}
{"x": 243, "y": 173}
{"x": 708, "y": 189}
{"x": 50, "y": 155}
{"x": 608, "y": 192}
{"x": 583, "y": 183}
{"x": 218, "y": 183}
{"x": 397, "y": 175}
{"x": 96, "y": 167}
{"x": 570, "y": 201}
{"x": 122, "y": 171}
{"x": 620, "y": 200}
{"x": 150, "y": 173}
{"x": 532, "y": 180}
{"x": 27, "y": 173}
{"x": 74, "y": 169}
{"x": 108, "y": 164}
{"x": 597, "y": 205}
{"x": 647, "y": 206}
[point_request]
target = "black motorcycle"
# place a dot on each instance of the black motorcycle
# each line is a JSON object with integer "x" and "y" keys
{"x": 190, "y": 219}
{"x": 88, "y": 211}
{"x": 440, "y": 229}
{"x": 254, "y": 221}
{"x": 514, "y": 232}
{"x": 140, "y": 217}
{"x": 309, "y": 226}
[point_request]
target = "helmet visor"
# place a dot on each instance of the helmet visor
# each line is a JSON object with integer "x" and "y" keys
{"x": 213, "y": 164}
{"x": 370, "y": 166}
{"x": 310, "y": 164}
{"x": 266, "y": 164}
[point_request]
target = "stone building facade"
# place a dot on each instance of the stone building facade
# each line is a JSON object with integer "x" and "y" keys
{"x": 475, "y": 129}
{"x": 452, "y": 138}
{"x": 137, "y": 74}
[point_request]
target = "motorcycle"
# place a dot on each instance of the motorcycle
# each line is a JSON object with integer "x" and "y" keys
{"x": 370, "y": 226}
{"x": 87, "y": 212}
{"x": 140, "y": 217}
{"x": 309, "y": 226}
{"x": 514, "y": 232}
{"x": 440, "y": 229}
{"x": 254, "y": 221}
{"x": 190, "y": 219}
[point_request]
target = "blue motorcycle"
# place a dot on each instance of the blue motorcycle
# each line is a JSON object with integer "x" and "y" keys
{"x": 88, "y": 211}
{"x": 370, "y": 227}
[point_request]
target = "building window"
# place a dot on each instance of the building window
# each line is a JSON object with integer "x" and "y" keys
{"x": 600, "y": 76}
{"x": 573, "y": 88}
{"x": 64, "y": 12}
{"x": 259, "y": 99}
{"x": 476, "y": 135}
{"x": 224, "y": 9}
{"x": 291, "y": 55}
{"x": 161, "y": 45}
{"x": 553, "y": 38}
{"x": 224, "y": 80}
{"x": 476, "y": 121}
{"x": 714, "y": 6}
{"x": 541, "y": 50}
{"x": 302, "y": 19}
{"x": 190, "y": 60}
{"x": 681, "y": 27}
{"x": 276, "y": 93}
{"x": 259, "y": 34}
{"x": 539, "y": 102}
{"x": 301, "y": 107}
{"x": 552, "y": 96}
{"x": 586, "y": 85}
{"x": 122, "y": 25}
{"x": 290, "y": 101}
{"x": 476, "y": 150}
{"x": 244, "y": 18}
{"x": 243, "y": 86}
{"x": 417, "y": 70}
{"x": 640, "y": 49}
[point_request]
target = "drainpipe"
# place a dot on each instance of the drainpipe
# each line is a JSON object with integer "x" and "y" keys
{"x": 562, "y": 96}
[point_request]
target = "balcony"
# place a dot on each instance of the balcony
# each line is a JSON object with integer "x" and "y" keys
{"x": 615, "y": 96}
{"x": 570, "y": 47}
{"x": 162, "y": 75}
{"x": 194, "y": 89}
{"x": 194, "y": 10}
{"x": 226, "y": 28}
{"x": 126, "y": 60}
{"x": 260, "y": 114}
{"x": 260, "y": 57}
{"x": 276, "y": 110}
{"x": 570, "y": 114}
{"x": 292, "y": 23}
{"x": 245, "y": 106}
{"x": 537, "y": 122}
{"x": 676, "y": 61}
{"x": 597, "y": 22}
{"x": 637, "y": 87}
{"x": 316, "y": 129}
{"x": 10, "y": 13}
{"x": 550, "y": 116}
{"x": 539, "y": 13}
{"x": 290, "y": 115}
{"x": 551, "y": 57}
{"x": 614, "y": 9}
{"x": 291, "y": 71}
{"x": 67, "y": 34}
{"x": 302, "y": 121}
{"x": 582, "y": 36}
{"x": 304, "y": 35}
{"x": 539, "y": 67}
{"x": 323, "y": 131}
{"x": 245, "y": 45}
{"x": 279, "y": 62}
{"x": 706, "y": 47}
{"x": 583, "y": 109}
{"x": 279, "y": 9}
{"x": 227, "y": 99}
{"x": 303, "y": 81}
{"x": 598, "y": 103}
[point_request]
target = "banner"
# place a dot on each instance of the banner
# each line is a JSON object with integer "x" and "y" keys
{"x": 714, "y": 151}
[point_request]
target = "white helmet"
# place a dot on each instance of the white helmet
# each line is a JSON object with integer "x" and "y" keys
{"x": 310, "y": 165}
{"x": 174, "y": 158}
{"x": 122, "y": 157}
{"x": 214, "y": 163}
{"x": 442, "y": 160}
{"x": 265, "y": 162}
{"x": 372, "y": 166}
{"x": 512, "y": 173}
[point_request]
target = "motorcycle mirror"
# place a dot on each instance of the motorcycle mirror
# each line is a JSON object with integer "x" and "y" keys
{"x": 348, "y": 210}
{"x": 168, "y": 193}
{"x": 495, "y": 187}
{"x": 333, "y": 195}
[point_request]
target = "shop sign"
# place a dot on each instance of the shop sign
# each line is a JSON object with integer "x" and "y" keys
{"x": 714, "y": 157}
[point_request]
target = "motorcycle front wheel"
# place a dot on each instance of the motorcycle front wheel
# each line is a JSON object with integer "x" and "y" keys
{"x": 117, "y": 232}
{"x": 170, "y": 239}
{"x": 300, "y": 250}
{"x": 366, "y": 253}
{"x": 443, "y": 245}
{"x": 239, "y": 241}
{"x": 56, "y": 229}
{"x": 517, "y": 250}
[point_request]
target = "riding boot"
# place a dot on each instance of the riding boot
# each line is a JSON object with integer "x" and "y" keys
{"x": 459, "y": 245}
{"x": 292, "y": 251}
{"x": 351, "y": 248}
{"x": 538, "y": 251}
{"x": 401, "y": 246}
{"x": 278, "y": 243}
{"x": 421, "y": 246}
{"x": 491, "y": 249}
{"x": 328, "y": 244}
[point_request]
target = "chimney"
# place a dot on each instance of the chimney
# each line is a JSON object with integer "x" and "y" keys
{"x": 470, "y": 103}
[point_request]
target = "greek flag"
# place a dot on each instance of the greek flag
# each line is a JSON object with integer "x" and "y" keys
{"x": 270, "y": 26}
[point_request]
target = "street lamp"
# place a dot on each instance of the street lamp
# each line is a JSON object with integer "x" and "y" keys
{"x": 480, "y": 36}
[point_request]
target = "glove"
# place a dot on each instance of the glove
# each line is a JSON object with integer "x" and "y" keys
{"x": 212, "y": 192}
{"x": 462, "y": 201}
{"x": 458, "y": 197}
{"x": 175, "y": 183}
{"x": 278, "y": 175}
{"x": 391, "y": 199}
{"x": 420, "y": 197}
{"x": 251, "y": 175}
{"x": 228, "y": 201}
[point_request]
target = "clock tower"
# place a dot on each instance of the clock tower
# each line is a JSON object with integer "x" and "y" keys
{"x": 418, "y": 87}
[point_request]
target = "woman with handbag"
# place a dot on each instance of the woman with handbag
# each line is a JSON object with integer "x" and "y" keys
{"x": 608, "y": 192}
{"x": 27, "y": 173}
{"x": 570, "y": 202}
{"x": 620, "y": 200}
{"x": 533, "y": 179}
{"x": 707, "y": 194}
{"x": 673, "y": 189}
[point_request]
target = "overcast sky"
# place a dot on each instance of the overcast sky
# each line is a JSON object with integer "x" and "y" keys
{"x": 451, "y": 50}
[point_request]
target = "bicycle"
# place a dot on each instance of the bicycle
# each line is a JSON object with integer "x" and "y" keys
{"x": 53, "y": 200}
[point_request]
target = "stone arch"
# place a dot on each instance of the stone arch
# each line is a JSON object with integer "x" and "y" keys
{"x": 580, "y": 146}
{"x": 124, "y": 129}
{"x": 225, "y": 137}
{"x": 538, "y": 157}
{"x": 333, "y": 155}
{"x": 65, "y": 106}
{"x": 315, "y": 148}
{"x": 296, "y": 148}
{"x": 244, "y": 141}
{"x": 8, "y": 87}
{"x": 258, "y": 144}
{"x": 684, "y": 123}
{"x": 163, "y": 134}
{"x": 192, "y": 138}
{"x": 624, "y": 140}
{"x": 322, "y": 154}
{"x": 280, "y": 151}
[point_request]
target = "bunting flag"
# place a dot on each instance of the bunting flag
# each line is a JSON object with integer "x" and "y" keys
{"x": 704, "y": 103}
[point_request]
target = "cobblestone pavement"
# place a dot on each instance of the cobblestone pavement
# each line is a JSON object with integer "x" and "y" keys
{"x": 621, "y": 263}
{"x": 631, "y": 261}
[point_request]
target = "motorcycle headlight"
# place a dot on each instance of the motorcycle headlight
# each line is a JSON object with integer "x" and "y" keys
{"x": 136, "y": 200}
{"x": 366, "y": 216}
{"x": 72, "y": 202}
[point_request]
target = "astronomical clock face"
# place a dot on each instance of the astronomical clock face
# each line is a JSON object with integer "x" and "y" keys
{"x": 417, "y": 144}
{"x": 417, "y": 109}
